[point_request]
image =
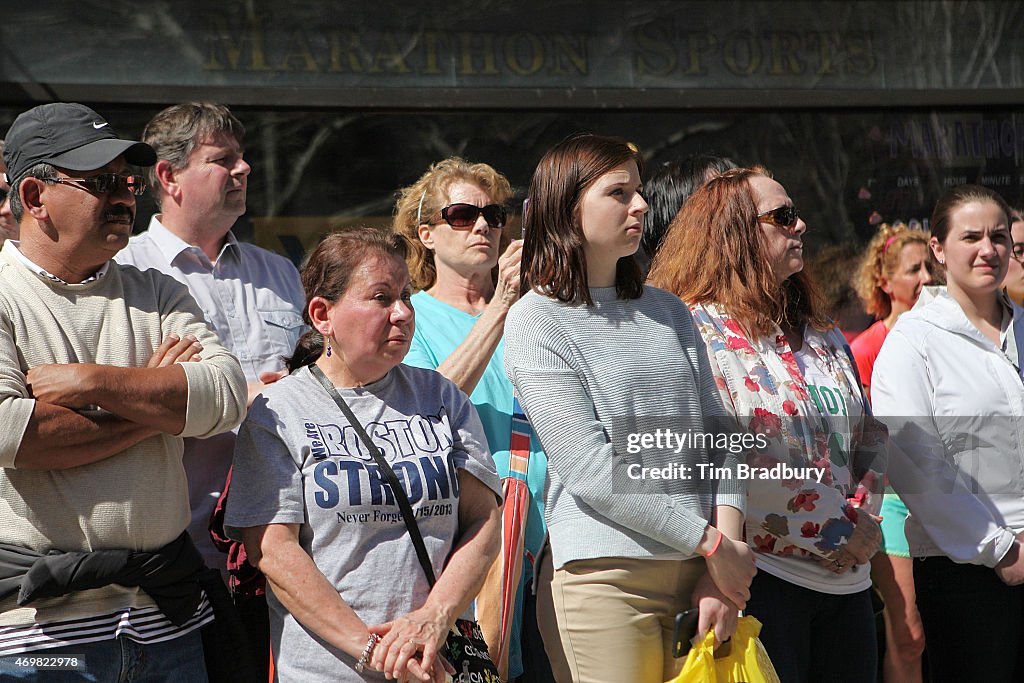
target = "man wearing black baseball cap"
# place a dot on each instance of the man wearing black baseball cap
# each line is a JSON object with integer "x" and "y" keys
{"x": 49, "y": 146}
{"x": 100, "y": 378}
{"x": 71, "y": 136}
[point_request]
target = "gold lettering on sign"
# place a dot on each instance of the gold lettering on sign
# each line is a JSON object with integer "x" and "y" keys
{"x": 528, "y": 44}
{"x": 483, "y": 45}
{"x": 657, "y": 55}
{"x": 698, "y": 45}
{"x": 221, "y": 44}
{"x": 746, "y": 63}
{"x": 826, "y": 41}
{"x": 425, "y": 53}
{"x": 658, "y": 49}
{"x": 298, "y": 51}
{"x": 659, "y": 52}
{"x": 785, "y": 45}
{"x": 860, "y": 53}
{"x": 389, "y": 57}
{"x": 575, "y": 54}
{"x": 345, "y": 46}
{"x": 431, "y": 41}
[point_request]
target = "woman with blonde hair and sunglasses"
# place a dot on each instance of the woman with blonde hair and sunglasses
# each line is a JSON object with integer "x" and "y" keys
{"x": 894, "y": 270}
{"x": 467, "y": 271}
{"x": 785, "y": 371}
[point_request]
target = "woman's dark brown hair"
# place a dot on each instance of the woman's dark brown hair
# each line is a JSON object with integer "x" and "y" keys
{"x": 716, "y": 253}
{"x": 553, "y": 260}
{"x": 327, "y": 272}
{"x": 954, "y": 198}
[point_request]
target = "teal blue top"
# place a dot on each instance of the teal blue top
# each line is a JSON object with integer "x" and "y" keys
{"x": 440, "y": 328}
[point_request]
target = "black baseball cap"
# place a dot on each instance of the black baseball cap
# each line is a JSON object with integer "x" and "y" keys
{"x": 70, "y": 136}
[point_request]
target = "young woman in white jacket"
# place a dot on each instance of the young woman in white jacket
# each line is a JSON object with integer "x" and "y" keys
{"x": 947, "y": 382}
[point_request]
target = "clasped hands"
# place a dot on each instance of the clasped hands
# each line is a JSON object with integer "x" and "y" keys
{"x": 409, "y": 647}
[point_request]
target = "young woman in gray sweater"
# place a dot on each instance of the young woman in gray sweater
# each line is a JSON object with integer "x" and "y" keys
{"x": 644, "y": 520}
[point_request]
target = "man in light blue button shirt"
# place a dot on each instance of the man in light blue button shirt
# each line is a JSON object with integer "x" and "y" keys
{"x": 251, "y": 297}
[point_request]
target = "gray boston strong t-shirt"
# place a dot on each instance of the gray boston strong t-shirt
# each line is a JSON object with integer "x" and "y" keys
{"x": 298, "y": 461}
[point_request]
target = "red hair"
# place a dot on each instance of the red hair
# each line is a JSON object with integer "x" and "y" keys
{"x": 714, "y": 252}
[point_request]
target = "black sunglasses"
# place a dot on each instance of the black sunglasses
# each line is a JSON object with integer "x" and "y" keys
{"x": 105, "y": 183}
{"x": 783, "y": 217}
{"x": 463, "y": 216}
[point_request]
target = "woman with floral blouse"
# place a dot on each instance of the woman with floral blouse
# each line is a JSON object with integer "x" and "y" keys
{"x": 735, "y": 255}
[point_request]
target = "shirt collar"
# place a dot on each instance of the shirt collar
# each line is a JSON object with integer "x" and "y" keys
{"x": 41, "y": 272}
{"x": 171, "y": 246}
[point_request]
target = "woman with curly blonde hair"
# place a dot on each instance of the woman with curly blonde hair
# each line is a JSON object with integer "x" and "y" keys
{"x": 420, "y": 205}
{"x": 894, "y": 269}
{"x": 467, "y": 270}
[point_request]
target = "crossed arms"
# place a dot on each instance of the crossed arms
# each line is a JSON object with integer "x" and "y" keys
{"x": 46, "y": 416}
{"x": 137, "y": 403}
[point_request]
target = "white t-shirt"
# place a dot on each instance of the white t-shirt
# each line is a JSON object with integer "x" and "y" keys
{"x": 832, "y": 402}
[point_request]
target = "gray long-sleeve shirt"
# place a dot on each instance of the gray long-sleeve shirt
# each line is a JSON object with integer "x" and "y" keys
{"x": 593, "y": 381}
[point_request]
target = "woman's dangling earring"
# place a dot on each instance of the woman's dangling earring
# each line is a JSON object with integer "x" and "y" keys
{"x": 327, "y": 345}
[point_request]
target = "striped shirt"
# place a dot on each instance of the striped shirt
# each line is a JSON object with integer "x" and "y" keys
{"x": 141, "y": 624}
{"x": 589, "y": 378}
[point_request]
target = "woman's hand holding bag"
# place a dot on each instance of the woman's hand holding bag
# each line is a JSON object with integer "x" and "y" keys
{"x": 746, "y": 661}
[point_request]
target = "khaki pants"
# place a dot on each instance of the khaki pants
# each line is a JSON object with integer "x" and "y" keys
{"x": 610, "y": 620}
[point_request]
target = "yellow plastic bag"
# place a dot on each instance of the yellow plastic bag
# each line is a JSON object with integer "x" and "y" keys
{"x": 746, "y": 662}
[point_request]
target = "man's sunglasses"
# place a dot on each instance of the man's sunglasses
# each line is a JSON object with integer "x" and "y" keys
{"x": 105, "y": 183}
{"x": 783, "y": 217}
{"x": 463, "y": 216}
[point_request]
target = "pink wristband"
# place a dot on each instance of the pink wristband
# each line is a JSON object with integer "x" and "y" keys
{"x": 714, "y": 548}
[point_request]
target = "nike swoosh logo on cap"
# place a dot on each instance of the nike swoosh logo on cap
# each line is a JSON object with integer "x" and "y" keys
{"x": 97, "y": 126}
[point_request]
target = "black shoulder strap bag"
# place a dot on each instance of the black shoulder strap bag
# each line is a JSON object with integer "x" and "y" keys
{"x": 465, "y": 647}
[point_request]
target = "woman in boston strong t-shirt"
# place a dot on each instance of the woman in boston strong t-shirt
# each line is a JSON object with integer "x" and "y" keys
{"x": 349, "y": 600}
{"x": 786, "y": 372}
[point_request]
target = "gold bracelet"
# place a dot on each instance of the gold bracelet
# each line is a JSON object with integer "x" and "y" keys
{"x": 364, "y": 658}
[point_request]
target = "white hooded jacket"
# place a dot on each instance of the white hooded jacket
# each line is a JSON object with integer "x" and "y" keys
{"x": 953, "y": 402}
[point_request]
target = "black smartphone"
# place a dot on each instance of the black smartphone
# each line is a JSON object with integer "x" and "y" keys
{"x": 684, "y": 631}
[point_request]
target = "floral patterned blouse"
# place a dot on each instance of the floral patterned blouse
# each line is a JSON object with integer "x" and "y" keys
{"x": 797, "y": 517}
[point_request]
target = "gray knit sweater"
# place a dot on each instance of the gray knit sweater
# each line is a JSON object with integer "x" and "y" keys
{"x": 590, "y": 379}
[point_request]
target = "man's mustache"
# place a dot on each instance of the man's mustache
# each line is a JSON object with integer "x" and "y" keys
{"x": 118, "y": 211}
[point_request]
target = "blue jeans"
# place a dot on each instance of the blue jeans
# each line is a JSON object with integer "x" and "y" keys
{"x": 118, "y": 661}
{"x": 815, "y": 637}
